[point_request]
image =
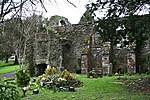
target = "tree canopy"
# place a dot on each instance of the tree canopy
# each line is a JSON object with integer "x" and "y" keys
{"x": 131, "y": 16}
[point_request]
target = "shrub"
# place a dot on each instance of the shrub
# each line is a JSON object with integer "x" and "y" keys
{"x": 67, "y": 75}
{"x": 53, "y": 77}
{"x": 22, "y": 77}
{"x": 50, "y": 71}
{"x": 8, "y": 91}
{"x": 57, "y": 81}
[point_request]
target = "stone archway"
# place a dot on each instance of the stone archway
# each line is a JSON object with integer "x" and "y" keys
{"x": 67, "y": 54}
{"x": 40, "y": 69}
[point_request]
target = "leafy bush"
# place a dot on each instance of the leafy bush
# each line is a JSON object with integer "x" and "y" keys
{"x": 52, "y": 78}
{"x": 7, "y": 90}
{"x": 22, "y": 77}
{"x": 56, "y": 81}
{"x": 50, "y": 71}
{"x": 67, "y": 75}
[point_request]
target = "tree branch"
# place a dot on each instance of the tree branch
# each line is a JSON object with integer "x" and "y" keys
{"x": 71, "y": 3}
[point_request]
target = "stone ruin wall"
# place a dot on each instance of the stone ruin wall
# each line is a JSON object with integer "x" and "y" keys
{"x": 65, "y": 44}
{"x": 63, "y": 47}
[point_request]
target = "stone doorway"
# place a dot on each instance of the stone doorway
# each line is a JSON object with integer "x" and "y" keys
{"x": 40, "y": 69}
{"x": 66, "y": 55}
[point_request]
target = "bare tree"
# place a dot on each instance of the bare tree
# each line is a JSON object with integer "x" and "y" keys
{"x": 30, "y": 26}
{"x": 15, "y": 7}
{"x": 19, "y": 32}
{"x": 10, "y": 35}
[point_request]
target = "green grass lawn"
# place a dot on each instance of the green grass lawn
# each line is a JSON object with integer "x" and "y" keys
{"x": 7, "y": 67}
{"x": 93, "y": 89}
{"x": 3, "y": 64}
{"x": 105, "y": 88}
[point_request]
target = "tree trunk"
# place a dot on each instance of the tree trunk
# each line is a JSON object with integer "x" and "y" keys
{"x": 90, "y": 56}
{"x": 138, "y": 55}
{"x": 137, "y": 60}
{"x": 112, "y": 57}
{"x": 16, "y": 60}
{"x": 6, "y": 58}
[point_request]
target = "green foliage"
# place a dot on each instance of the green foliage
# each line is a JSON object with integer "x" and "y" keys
{"x": 31, "y": 70}
{"x": 86, "y": 38}
{"x": 67, "y": 75}
{"x": 85, "y": 50}
{"x": 10, "y": 36}
{"x": 53, "y": 78}
{"x": 87, "y": 17}
{"x": 56, "y": 81}
{"x": 50, "y": 71}
{"x": 115, "y": 8}
{"x": 93, "y": 89}
{"x": 7, "y": 90}
{"x": 22, "y": 77}
{"x": 132, "y": 24}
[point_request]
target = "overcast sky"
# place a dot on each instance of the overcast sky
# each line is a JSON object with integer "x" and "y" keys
{"x": 63, "y": 8}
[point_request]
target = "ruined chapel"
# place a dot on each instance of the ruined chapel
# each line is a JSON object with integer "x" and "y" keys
{"x": 71, "y": 46}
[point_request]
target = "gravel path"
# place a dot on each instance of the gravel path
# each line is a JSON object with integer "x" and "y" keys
{"x": 10, "y": 74}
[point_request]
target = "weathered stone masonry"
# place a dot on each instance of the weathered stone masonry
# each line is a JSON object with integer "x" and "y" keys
{"x": 70, "y": 47}
{"x": 65, "y": 42}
